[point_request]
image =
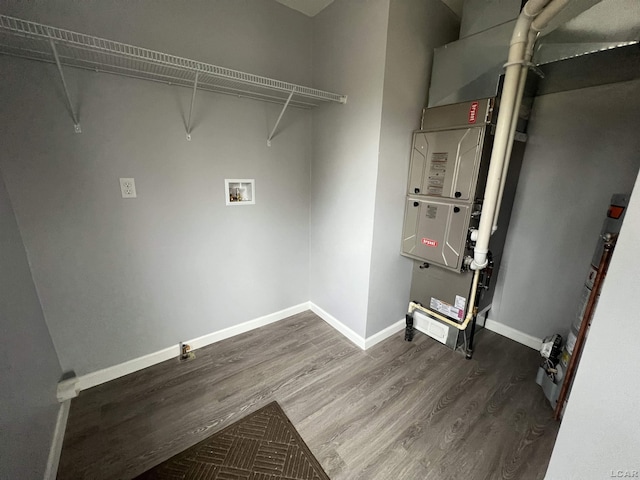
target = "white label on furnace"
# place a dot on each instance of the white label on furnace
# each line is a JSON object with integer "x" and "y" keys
{"x": 461, "y": 302}
{"x": 446, "y": 309}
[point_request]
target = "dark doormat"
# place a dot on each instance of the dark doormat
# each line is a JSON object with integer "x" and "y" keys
{"x": 264, "y": 445}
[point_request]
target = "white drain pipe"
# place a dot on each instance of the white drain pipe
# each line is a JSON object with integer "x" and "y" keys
{"x": 535, "y": 15}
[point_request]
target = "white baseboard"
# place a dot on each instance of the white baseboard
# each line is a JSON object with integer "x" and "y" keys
{"x": 56, "y": 443}
{"x": 338, "y": 325}
{"x": 513, "y": 334}
{"x": 111, "y": 373}
{"x": 363, "y": 343}
{"x": 214, "y": 337}
{"x": 384, "y": 334}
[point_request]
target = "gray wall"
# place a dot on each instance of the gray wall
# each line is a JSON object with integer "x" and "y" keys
{"x": 480, "y": 15}
{"x": 30, "y": 367}
{"x": 583, "y": 147}
{"x": 349, "y": 48}
{"x": 122, "y": 278}
{"x": 599, "y": 432}
{"x": 416, "y": 27}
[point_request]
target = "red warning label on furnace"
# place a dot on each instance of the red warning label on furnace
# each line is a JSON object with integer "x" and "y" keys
{"x": 473, "y": 112}
{"x": 429, "y": 243}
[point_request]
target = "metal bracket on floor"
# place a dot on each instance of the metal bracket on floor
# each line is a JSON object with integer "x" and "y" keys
{"x": 76, "y": 123}
{"x": 286, "y": 104}
{"x": 193, "y": 100}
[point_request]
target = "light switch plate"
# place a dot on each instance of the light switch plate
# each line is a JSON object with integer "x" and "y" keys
{"x": 128, "y": 187}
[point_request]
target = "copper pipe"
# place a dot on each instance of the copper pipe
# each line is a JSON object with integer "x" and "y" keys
{"x": 603, "y": 267}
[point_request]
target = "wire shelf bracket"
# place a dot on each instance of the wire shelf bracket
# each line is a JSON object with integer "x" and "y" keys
{"x": 35, "y": 41}
{"x": 76, "y": 122}
{"x": 193, "y": 101}
{"x": 286, "y": 104}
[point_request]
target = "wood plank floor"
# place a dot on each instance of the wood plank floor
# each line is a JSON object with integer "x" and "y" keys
{"x": 397, "y": 411}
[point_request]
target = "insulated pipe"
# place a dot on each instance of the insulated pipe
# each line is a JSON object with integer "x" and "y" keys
{"x": 513, "y": 67}
{"x": 470, "y": 311}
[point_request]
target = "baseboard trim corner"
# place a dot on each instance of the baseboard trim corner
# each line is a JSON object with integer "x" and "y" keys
{"x": 515, "y": 335}
{"x": 67, "y": 389}
{"x": 56, "y": 443}
{"x": 116, "y": 371}
{"x": 384, "y": 334}
{"x": 338, "y": 325}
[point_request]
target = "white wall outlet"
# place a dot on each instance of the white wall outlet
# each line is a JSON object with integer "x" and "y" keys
{"x": 128, "y": 187}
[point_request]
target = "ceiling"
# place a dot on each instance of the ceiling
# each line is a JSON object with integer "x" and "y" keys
{"x": 308, "y": 7}
{"x": 455, "y": 6}
{"x": 313, "y": 7}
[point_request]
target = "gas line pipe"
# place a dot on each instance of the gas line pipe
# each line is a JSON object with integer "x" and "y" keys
{"x": 413, "y": 306}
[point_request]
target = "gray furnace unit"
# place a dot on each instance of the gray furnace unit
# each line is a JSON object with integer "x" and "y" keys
{"x": 447, "y": 176}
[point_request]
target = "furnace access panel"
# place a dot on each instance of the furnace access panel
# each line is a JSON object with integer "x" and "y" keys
{"x": 445, "y": 163}
{"x": 441, "y": 191}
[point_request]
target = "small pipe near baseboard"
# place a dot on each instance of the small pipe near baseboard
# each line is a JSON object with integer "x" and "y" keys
{"x": 470, "y": 312}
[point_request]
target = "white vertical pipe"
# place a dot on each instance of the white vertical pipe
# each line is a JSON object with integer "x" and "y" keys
{"x": 539, "y": 23}
{"x": 515, "y": 59}
{"x": 550, "y": 11}
{"x": 498, "y": 153}
{"x": 514, "y": 124}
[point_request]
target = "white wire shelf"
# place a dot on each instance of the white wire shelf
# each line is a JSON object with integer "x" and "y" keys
{"x": 26, "y": 39}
